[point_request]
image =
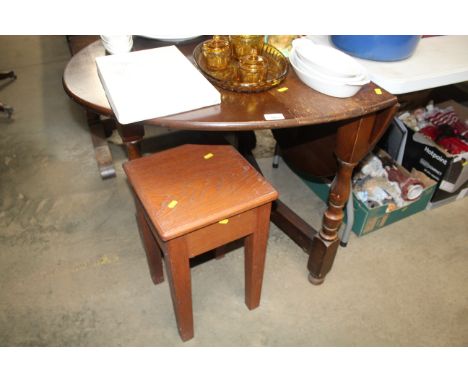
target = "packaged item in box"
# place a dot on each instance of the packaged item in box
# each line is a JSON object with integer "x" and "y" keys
{"x": 434, "y": 140}
{"x": 439, "y": 127}
{"x": 380, "y": 181}
{"x": 383, "y": 192}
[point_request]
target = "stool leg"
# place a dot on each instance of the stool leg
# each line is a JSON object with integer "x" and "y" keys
{"x": 220, "y": 252}
{"x": 178, "y": 271}
{"x": 153, "y": 253}
{"x": 255, "y": 252}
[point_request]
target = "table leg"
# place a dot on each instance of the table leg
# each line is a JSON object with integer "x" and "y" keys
{"x": 325, "y": 242}
{"x": 101, "y": 147}
{"x": 354, "y": 141}
{"x": 132, "y": 135}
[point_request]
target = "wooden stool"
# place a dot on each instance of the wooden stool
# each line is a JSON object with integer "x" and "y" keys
{"x": 192, "y": 199}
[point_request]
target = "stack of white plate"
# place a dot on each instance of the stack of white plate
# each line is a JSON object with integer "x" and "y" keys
{"x": 115, "y": 44}
{"x": 327, "y": 69}
{"x": 171, "y": 37}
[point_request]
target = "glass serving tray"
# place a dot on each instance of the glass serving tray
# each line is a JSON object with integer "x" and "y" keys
{"x": 229, "y": 78}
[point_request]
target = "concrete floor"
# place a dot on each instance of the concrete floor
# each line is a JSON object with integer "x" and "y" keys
{"x": 74, "y": 272}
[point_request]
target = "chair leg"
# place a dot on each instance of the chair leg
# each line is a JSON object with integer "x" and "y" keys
{"x": 153, "y": 253}
{"x": 5, "y": 75}
{"x": 349, "y": 220}
{"x": 276, "y": 156}
{"x": 254, "y": 258}
{"x": 6, "y": 109}
{"x": 178, "y": 271}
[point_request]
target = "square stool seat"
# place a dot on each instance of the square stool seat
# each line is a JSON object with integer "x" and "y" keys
{"x": 194, "y": 198}
{"x": 192, "y": 186}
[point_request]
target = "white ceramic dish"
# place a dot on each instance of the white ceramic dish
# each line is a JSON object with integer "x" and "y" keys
{"x": 171, "y": 38}
{"x": 117, "y": 44}
{"x": 334, "y": 89}
{"x": 327, "y": 60}
{"x": 116, "y": 38}
{"x": 360, "y": 79}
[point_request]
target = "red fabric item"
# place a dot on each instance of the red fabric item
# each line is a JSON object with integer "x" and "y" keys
{"x": 453, "y": 145}
{"x": 447, "y": 131}
{"x": 430, "y": 131}
{"x": 460, "y": 128}
{"x": 446, "y": 117}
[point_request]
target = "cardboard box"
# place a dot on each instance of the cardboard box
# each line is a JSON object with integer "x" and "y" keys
{"x": 367, "y": 219}
{"x": 442, "y": 197}
{"x": 414, "y": 150}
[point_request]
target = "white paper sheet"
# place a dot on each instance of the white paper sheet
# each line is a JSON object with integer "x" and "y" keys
{"x": 153, "y": 83}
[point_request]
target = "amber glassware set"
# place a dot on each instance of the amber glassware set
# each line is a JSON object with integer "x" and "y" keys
{"x": 241, "y": 62}
{"x": 246, "y": 49}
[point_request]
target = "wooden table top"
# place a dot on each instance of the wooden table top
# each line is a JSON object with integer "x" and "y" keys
{"x": 300, "y": 105}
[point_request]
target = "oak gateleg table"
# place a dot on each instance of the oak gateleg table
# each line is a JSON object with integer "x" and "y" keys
{"x": 359, "y": 122}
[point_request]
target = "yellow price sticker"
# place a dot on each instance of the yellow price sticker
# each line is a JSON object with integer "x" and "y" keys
{"x": 172, "y": 204}
{"x": 378, "y": 91}
{"x": 224, "y": 221}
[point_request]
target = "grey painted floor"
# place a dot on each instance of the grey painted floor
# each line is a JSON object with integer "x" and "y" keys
{"x": 73, "y": 270}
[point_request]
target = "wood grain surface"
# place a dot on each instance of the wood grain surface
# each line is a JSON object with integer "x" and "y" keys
{"x": 201, "y": 191}
{"x": 300, "y": 105}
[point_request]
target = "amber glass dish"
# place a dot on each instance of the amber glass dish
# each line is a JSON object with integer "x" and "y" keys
{"x": 230, "y": 78}
{"x": 252, "y": 68}
{"x": 217, "y": 53}
{"x": 246, "y": 44}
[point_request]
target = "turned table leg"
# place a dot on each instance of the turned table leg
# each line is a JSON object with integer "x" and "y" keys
{"x": 132, "y": 135}
{"x": 354, "y": 141}
{"x": 326, "y": 241}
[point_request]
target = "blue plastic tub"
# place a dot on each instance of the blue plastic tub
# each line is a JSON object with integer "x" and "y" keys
{"x": 377, "y": 48}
